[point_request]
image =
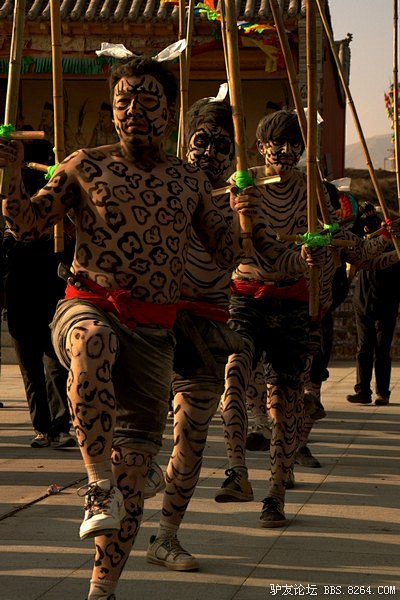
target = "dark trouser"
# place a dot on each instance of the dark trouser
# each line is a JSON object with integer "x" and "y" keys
{"x": 374, "y": 341}
{"x": 319, "y": 366}
{"x": 45, "y": 382}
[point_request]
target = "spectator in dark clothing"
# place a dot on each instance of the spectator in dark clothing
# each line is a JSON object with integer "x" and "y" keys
{"x": 376, "y": 305}
{"x": 1, "y": 295}
{"x": 32, "y": 289}
{"x": 347, "y": 210}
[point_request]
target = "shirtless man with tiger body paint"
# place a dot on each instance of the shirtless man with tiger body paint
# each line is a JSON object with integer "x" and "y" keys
{"x": 134, "y": 209}
{"x": 270, "y": 311}
{"x": 204, "y": 340}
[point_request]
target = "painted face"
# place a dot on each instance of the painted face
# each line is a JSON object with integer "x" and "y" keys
{"x": 281, "y": 154}
{"x": 140, "y": 110}
{"x": 211, "y": 149}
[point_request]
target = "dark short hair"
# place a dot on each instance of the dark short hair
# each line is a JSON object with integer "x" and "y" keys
{"x": 280, "y": 124}
{"x": 214, "y": 113}
{"x": 106, "y": 106}
{"x": 145, "y": 65}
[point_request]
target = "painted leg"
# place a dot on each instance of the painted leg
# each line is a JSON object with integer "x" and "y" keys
{"x": 192, "y": 417}
{"x": 259, "y": 434}
{"x": 91, "y": 346}
{"x": 236, "y": 488}
{"x": 285, "y": 407}
{"x": 112, "y": 551}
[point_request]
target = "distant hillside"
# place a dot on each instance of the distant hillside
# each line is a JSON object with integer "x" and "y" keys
{"x": 379, "y": 148}
{"x": 363, "y": 188}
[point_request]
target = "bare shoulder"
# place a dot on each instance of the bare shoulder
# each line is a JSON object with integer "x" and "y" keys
{"x": 97, "y": 153}
{"x": 190, "y": 172}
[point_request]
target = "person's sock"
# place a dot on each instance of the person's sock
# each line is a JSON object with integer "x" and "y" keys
{"x": 102, "y": 589}
{"x": 100, "y": 470}
{"x": 167, "y": 530}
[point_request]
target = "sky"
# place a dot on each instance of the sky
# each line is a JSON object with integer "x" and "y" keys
{"x": 371, "y": 68}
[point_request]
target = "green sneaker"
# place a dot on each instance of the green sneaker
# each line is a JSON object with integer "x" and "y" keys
{"x": 236, "y": 488}
{"x": 170, "y": 554}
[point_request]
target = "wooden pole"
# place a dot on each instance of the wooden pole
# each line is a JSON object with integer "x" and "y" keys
{"x": 312, "y": 140}
{"x": 183, "y": 83}
{"x": 14, "y": 76}
{"x": 350, "y": 102}
{"x": 11, "y": 108}
{"x": 295, "y": 88}
{"x": 27, "y": 135}
{"x": 396, "y": 99}
{"x": 58, "y": 102}
{"x": 230, "y": 34}
{"x": 189, "y": 36}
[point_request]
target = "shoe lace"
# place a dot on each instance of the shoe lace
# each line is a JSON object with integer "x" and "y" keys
{"x": 271, "y": 505}
{"x": 96, "y": 499}
{"x": 175, "y": 548}
{"x": 232, "y": 475}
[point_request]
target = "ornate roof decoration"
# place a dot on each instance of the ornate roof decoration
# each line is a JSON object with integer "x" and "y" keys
{"x": 134, "y": 11}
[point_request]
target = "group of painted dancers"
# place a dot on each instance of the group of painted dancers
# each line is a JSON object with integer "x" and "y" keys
{"x": 161, "y": 293}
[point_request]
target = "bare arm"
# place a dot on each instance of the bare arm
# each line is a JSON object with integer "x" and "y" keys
{"x": 278, "y": 258}
{"x": 369, "y": 254}
{"x": 28, "y": 218}
{"x": 220, "y": 238}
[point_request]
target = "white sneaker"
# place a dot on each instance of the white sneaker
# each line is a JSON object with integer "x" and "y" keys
{"x": 155, "y": 481}
{"x": 63, "y": 440}
{"x": 104, "y": 509}
{"x": 170, "y": 554}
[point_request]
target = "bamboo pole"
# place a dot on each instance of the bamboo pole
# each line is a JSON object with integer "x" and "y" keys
{"x": 295, "y": 89}
{"x": 189, "y": 30}
{"x": 58, "y": 102}
{"x": 14, "y": 76}
{"x": 27, "y": 135}
{"x": 11, "y": 107}
{"x": 350, "y": 102}
{"x": 396, "y": 99}
{"x": 37, "y": 167}
{"x": 312, "y": 140}
{"x": 230, "y": 34}
{"x": 183, "y": 83}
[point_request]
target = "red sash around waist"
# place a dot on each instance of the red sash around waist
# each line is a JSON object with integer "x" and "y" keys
{"x": 257, "y": 289}
{"x": 129, "y": 311}
{"x": 205, "y": 310}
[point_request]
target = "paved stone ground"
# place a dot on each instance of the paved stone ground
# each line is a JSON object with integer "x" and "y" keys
{"x": 344, "y": 529}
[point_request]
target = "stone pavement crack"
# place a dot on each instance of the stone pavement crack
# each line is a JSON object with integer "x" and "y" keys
{"x": 46, "y": 495}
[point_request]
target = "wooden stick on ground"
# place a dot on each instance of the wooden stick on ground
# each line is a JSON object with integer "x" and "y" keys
{"x": 312, "y": 132}
{"x": 357, "y": 123}
{"x": 59, "y": 149}
{"x": 230, "y": 35}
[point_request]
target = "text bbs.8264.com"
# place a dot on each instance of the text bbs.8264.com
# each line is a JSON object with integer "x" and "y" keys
{"x": 331, "y": 591}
